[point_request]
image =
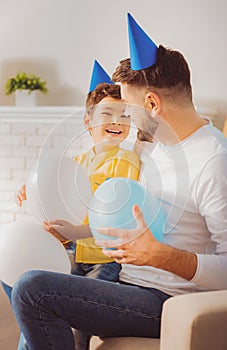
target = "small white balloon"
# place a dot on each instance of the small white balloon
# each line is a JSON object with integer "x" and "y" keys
{"x": 58, "y": 188}
{"x": 25, "y": 246}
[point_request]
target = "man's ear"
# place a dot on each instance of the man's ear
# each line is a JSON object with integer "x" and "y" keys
{"x": 152, "y": 102}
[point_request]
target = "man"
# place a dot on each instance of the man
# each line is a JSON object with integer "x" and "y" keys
{"x": 187, "y": 168}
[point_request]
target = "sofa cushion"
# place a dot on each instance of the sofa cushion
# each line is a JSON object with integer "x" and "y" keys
{"x": 124, "y": 343}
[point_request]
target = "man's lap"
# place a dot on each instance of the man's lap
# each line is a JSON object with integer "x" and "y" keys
{"x": 97, "y": 307}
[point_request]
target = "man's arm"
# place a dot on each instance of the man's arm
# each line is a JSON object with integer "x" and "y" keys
{"x": 179, "y": 262}
{"x": 211, "y": 199}
{"x": 145, "y": 250}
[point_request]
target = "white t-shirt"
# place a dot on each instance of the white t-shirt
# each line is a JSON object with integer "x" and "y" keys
{"x": 191, "y": 180}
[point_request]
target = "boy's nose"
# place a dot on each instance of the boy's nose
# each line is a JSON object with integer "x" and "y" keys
{"x": 115, "y": 120}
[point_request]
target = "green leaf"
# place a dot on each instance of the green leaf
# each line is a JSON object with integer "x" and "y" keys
{"x": 22, "y": 81}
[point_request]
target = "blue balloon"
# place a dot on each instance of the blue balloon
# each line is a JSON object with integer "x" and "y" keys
{"x": 111, "y": 206}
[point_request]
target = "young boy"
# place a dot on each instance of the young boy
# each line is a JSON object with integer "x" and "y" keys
{"x": 108, "y": 126}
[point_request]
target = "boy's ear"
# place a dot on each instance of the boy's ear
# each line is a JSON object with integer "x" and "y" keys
{"x": 153, "y": 102}
{"x": 87, "y": 119}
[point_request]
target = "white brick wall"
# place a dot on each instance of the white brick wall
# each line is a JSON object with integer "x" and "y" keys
{"x": 20, "y": 143}
{"x": 22, "y": 134}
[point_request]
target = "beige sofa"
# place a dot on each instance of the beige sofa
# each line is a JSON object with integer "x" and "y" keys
{"x": 189, "y": 322}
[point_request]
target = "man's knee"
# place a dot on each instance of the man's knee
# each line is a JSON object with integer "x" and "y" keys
{"x": 27, "y": 285}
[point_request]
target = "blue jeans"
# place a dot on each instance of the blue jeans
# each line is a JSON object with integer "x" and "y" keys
{"x": 47, "y": 305}
{"x": 8, "y": 290}
{"x": 108, "y": 272}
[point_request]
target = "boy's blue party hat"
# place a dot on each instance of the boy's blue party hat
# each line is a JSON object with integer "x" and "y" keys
{"x": 98, "y": 76}
{"x": 143, "y": 51}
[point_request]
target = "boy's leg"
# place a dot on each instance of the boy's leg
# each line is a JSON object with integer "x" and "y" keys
{"x": 22, "y": 345}
{"x": 71, "y": 249}
{"x": 82, "y": 339}
{"x": 48, "y": 304}
{"x": 7, "y": 289}
{"x": 106, "y": 272}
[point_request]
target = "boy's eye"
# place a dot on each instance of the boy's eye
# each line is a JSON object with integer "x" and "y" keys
{"x": 126, "y": 116}
{"x": 106, "y": 114}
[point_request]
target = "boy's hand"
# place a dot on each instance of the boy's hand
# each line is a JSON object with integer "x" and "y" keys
{"x": 50, "y": 228}
{"x": 64, "y": 230}
{"x": 21, "y": 196}
{"x": 61, "y": 229}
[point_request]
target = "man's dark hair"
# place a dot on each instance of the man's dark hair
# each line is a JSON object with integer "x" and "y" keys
{"x": 170, "y": 75}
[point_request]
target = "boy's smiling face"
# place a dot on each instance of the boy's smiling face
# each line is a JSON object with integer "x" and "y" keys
{"x": 108, "y": 122}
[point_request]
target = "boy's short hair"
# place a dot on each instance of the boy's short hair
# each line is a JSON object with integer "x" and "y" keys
{"x": 101, "y": 91}
{"x": 169, "y": 76}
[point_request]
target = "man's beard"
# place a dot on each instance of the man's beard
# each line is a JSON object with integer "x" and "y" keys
{"x": 151, "y": 126}
{"x": 144, "y": 136}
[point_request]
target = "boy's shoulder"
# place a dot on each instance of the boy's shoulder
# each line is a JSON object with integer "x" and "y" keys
{"x": 119, "y": 153}
{"x": 128, "y": 155}
{"x": 82, "y": 156}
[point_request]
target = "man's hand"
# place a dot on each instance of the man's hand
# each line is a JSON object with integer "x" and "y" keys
{"x": 21, "y": 196}
{"x": 139, "y": 247}
{"x": 136, "y": 246}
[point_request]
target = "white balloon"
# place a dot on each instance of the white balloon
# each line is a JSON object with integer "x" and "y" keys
{"x": 32, "y": 204}
{"x": 25, "y": 246}
{"x": 58, "y": 188}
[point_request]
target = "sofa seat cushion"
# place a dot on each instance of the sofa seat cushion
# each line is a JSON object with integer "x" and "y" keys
{"x": 125, "y": 343}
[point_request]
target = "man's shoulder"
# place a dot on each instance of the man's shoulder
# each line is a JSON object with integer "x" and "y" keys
{"x": 213, "y": 139}
{"x": 205, "y": 144}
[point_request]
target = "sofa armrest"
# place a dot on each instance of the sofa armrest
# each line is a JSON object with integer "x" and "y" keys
{"x": 195, "y": 321}
{"x": 9, "y": 330}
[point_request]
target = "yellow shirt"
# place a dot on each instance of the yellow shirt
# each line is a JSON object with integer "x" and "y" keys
{"x": 114, "y": 163}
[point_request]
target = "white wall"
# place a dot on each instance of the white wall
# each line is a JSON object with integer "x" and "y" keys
{"x": 59, "y": 39}
{"x": 21, "y": 139}
{"x": 25, "y": 132}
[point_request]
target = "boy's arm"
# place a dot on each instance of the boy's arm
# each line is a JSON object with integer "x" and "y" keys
{"x": 64, "y": 230}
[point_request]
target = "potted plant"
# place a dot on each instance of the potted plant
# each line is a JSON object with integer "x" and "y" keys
{"x": 25, "y": 87}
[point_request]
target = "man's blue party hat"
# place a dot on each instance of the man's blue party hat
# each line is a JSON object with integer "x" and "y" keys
{"x": 143, "y": 51}
{"x": 98, "y": 76}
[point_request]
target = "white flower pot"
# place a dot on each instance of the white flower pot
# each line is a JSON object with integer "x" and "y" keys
{"x": 24, "y": 99}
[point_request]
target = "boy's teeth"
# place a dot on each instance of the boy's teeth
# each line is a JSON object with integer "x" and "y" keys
{"x": 113, "y": 131}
